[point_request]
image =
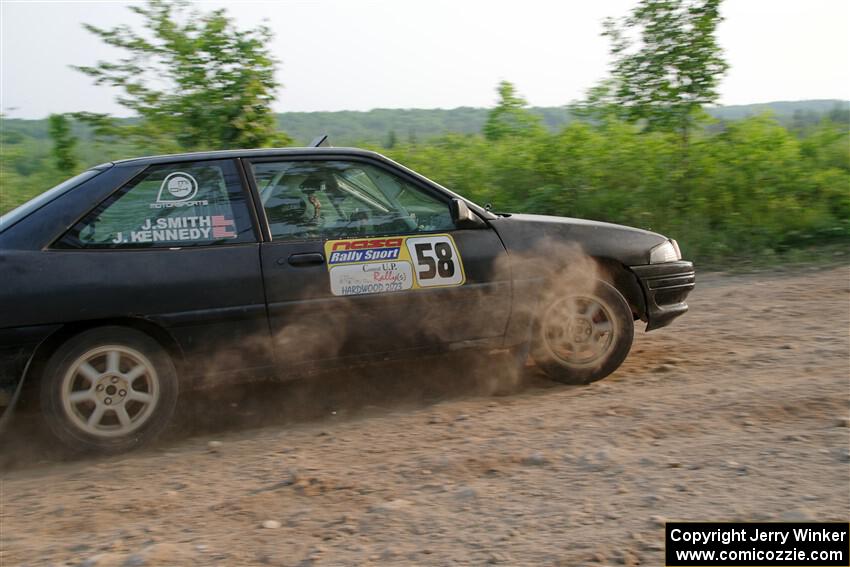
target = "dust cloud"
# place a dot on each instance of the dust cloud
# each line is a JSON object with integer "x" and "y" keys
{"x": 322, "y": 334}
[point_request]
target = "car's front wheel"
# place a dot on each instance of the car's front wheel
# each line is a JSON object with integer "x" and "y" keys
{"x": 108, "y": 389}
{"x": 581, "y": 337}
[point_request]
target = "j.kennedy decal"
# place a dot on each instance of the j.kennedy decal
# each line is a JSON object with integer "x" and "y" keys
{"x": 180, "y": 229}
{"x": 378, "y": 265}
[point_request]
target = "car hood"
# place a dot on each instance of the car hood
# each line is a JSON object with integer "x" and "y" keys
{"x": 553, "y": 237}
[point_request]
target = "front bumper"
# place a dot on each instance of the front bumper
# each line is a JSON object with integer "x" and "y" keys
{"x": 665, "y": 287}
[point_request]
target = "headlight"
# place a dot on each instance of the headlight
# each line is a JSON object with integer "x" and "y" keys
{"x": 666, "y": 252}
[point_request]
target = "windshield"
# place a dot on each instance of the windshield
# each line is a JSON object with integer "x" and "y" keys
{"x": 38, "y": 201}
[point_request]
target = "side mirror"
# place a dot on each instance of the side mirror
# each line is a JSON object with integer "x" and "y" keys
{"x": 463, "y": 216}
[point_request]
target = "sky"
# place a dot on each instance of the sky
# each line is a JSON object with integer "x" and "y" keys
{"x": 364, "y": 54}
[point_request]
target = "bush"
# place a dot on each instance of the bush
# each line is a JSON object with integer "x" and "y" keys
{"x": 743, "y": 188}
{"x": 748, "y": 189}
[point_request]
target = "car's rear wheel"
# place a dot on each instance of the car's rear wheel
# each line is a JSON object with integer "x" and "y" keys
{"x": 581, "y": 337}
{"x": 108, "y": 389}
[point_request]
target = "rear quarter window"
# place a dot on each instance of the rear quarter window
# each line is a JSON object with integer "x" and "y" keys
{"x": 171, "y": 205}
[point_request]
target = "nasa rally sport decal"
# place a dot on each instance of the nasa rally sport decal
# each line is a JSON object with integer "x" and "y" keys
{"x": 379, "y": 265}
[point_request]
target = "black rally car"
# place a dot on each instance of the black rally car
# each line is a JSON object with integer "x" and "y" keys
{"x": 141, "y": 278}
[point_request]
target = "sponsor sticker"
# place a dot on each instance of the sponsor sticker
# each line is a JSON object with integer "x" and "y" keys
{"x": 358, "y": 279}
{"x": 177, "y": 190}
{"x": 379, "y": 265}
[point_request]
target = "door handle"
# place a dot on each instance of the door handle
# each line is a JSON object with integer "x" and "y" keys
{"x": 309, "y": 259}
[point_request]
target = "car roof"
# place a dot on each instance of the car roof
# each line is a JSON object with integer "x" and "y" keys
{"x": 255, "y": 153}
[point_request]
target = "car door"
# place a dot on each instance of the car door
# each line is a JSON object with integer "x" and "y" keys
{"x": 365, "y": 260}
{"x": 178, "y": 247}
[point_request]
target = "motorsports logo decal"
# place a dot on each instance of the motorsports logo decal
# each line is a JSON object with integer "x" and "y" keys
{"x": 177, "y": 190}
{"x": 180, "y": 229}
{"x": 379, "y": 265}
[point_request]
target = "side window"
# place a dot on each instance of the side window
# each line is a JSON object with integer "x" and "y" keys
{"x": 171, "y": 205}
{"x": 338, "y": 199}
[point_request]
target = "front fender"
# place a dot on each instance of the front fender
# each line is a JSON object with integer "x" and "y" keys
{"x": 558, "y": 240}
{"x": 546, "y": 249}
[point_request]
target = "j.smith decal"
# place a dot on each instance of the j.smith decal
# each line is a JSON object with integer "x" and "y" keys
{"x": 180, "y": 229}
{"x": 379, "y": 265}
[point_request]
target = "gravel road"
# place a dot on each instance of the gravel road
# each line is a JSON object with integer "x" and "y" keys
{"x": 739, "y": 411}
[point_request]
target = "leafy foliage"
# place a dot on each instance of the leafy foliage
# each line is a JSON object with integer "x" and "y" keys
{"x": 755, "y": 188}
{"x": 510, "y": 117}
{"x": 218, "y": 82}
{"x": 64, "y": 142}
{"x": 353, "y": 128}
{"x": 664, "y": 79}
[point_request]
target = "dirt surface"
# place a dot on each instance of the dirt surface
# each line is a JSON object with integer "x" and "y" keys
{"x": 739, "y": 411}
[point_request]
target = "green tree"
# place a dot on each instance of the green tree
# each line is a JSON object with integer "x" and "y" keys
{"x": 194, "y": 79}
{"x": 665, "y": 77}
{"x": 64, "y": 144}
{"x": 392, "y": 140}
{"x": 511, "y": 116}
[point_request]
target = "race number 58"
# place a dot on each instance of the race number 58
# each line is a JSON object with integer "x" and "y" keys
{"x": 437, "y": 261}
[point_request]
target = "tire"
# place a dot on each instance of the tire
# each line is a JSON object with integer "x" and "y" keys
{"x": 108, "y": 390}
{"x": 583, "y": 337}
